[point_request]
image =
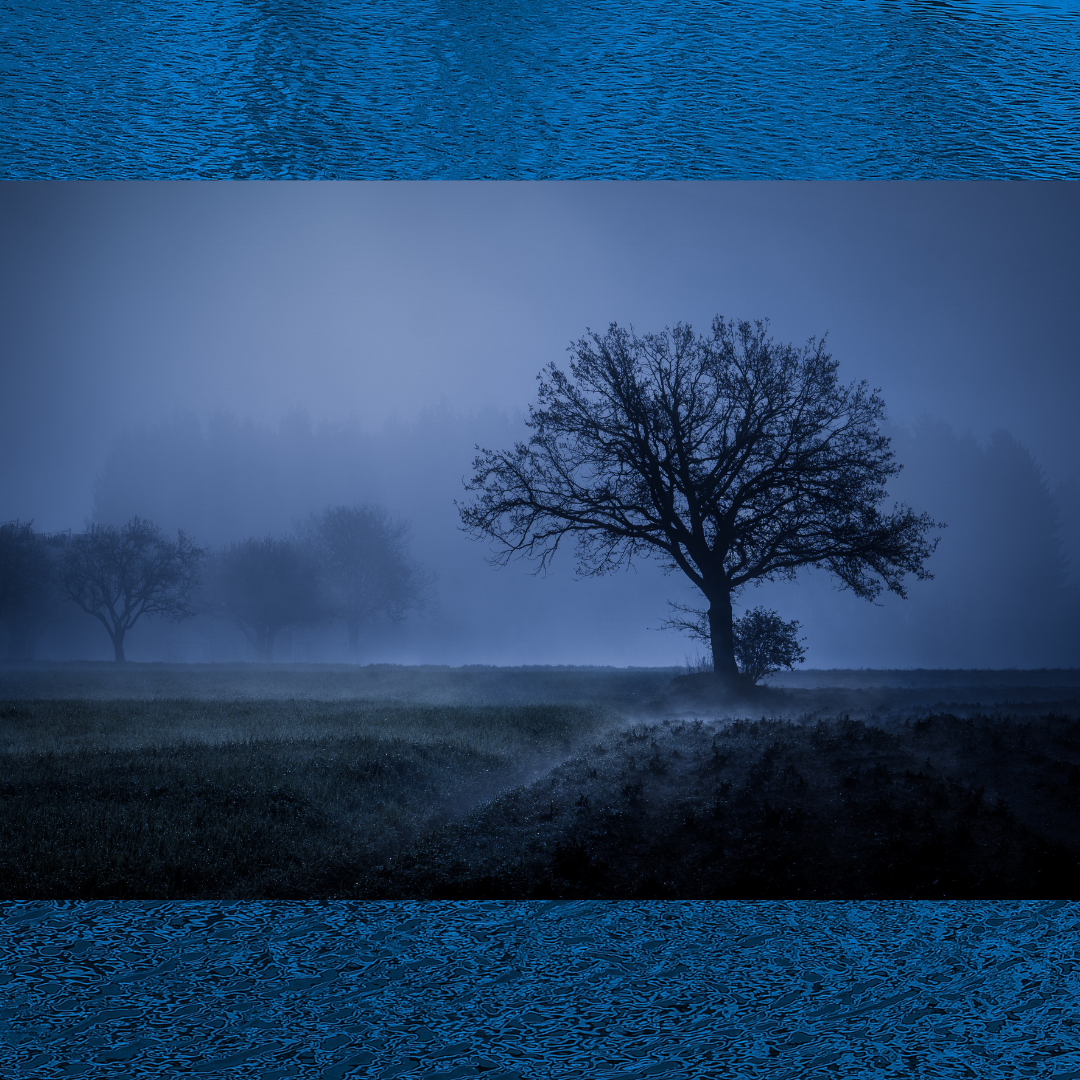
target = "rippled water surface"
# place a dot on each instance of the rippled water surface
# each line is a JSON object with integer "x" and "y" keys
{"x": 540, "y": 990}
{"x": 556, "y": 89}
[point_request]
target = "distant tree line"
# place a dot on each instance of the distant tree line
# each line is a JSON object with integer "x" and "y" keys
{"x": 347, "y": 563}
{"x": 30, "y": 590}
{"x": 1002, "y": 594}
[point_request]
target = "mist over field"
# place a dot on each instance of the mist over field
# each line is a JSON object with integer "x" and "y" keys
{"x": 1003, "y": 595}
{"x": 225, "y": 479}
{"x": 242, "y": 428}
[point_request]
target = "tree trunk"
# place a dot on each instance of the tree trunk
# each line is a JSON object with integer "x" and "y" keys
{"x": 118, "y": 644}
{"x": 722, "y": 639}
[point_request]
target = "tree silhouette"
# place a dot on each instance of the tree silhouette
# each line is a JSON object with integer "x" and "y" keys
{"x": 120, "y": 574}
{"x": 265, "y": 586}
{"x": 729, "y": 457}
{"x": 764, "y": 644}
{"x": 363, "y": 557}
{"x": 29, "y": 586}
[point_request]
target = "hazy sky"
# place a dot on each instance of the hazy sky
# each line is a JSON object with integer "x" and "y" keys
{"x": 123, "y": 303}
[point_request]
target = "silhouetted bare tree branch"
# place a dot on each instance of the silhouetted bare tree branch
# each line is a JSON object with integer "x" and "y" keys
{"x": 729, "y": 457}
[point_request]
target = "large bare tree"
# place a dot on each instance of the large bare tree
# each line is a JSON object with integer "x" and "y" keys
{"x": 120, "y": 574}
{"x": 731, "y": 458}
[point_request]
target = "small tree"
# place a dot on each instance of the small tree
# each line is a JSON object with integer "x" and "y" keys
{"x": 764, "y": 644}
{"x": 730, "y": 458}
{"x": 363, "y": 558}
{"x": 265, "y": 586}
{"x": 120, "y": 574}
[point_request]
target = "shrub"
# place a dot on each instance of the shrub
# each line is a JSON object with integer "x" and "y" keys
{"x": 764, "y": 644}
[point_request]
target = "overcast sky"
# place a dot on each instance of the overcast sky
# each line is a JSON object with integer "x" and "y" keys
{"x": 126, "y": 303}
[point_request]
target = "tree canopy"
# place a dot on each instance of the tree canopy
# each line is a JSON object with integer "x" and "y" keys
{"x": 120, "y": 574}
{"x": 265, "y": 586}
{"x": 363, "y": 558}
{"x": 731, "y": 458}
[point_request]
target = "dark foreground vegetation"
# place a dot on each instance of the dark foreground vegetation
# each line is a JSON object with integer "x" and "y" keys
{"x": 943, "y": 807}
{"x": 241, "y": 798}
{"x": 186, "y": 799}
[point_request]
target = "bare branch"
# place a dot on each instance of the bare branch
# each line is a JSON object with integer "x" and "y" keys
{"x": 118, "y": 575}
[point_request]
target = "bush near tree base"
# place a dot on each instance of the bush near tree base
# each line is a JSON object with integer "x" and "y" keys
{"x": 764, "y": 644}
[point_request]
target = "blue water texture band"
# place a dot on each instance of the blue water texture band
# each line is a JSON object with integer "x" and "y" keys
{"x": 540, "y": 990}
{"x": 544, "y": 89}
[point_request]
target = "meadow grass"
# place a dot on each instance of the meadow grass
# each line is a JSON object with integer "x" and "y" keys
{"x": 237, "y": 800}
{"x": 510, "y": 788}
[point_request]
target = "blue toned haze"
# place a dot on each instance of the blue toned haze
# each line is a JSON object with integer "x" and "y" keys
{"x": 540, "y": 991}
{"x": 561, "y": 90}
{"x": 227, "y": 358}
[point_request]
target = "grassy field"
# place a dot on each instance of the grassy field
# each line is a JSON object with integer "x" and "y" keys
{"x": 427, "y": 685}
{"x": 245, "y": 799}
{"x": 239, "y": 783}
